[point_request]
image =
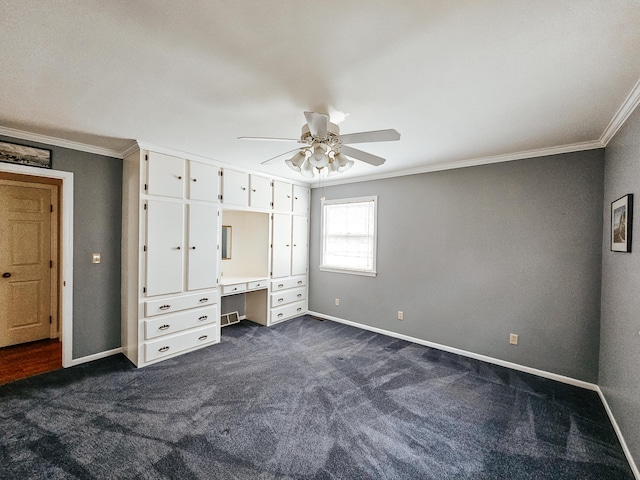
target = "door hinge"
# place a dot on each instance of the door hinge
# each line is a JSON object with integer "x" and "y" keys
{"x": 220, "y": 197}
{"x": 146, "y": 157}
{"x": 272, "y": 204}
{"x": 220, "y": 172}
{"x": 272, "y": 184}
{"x": 51, "y": 208}
{"x": 144, "y": 248}
{"x": 144, "y": 289}
{"x": 50, "y": 263}
{"x": 50, "y": 320}
{"x": 271, "y": 246}
{"x": 145, "y": 187}
{"x": 217, "y": 280}
{"x": 145, "y": 206}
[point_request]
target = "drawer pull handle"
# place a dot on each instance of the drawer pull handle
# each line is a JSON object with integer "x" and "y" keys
{"x": 234, "y": 289}
{"x": 193, "y": 248}
{"x": 178, "y": 248}
{"x": 281, "y": 285}
{"x": 163, "y": 349}
{"x": 288, "y": 196}
{"x": 298, "y": 309}
{"x": 295, "y": 198}
{"x": 164, "y": 307}
{"x": 280, "y": 314}
{"x": 203, "y": 318}
{"x": 299, "y": 282}
{"x": 258, "y": 285}
{"x": 299, "y": 295}
{"x": 287, "y": 245}
{"x": 243, "y": 188}
{"x": 204, "y": 299}
{"x": 281, "y": 299}
{"x": 203, "y": 337}
{"x": 179, "y": 177}
{"x": 253, "y": 190}
{"x": 194, "y": 179}
{"x": 163, "y": 327}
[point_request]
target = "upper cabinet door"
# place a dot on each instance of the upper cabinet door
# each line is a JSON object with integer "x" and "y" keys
{"x": 165, "y": 252}
{"x": 235, "y": 188}
{"x": 300, "y": 200}
{"x": 204, "y": 182}
{"x": 202, "y": 247}
{"x": 282, "y": 196}
{"x": 165, "y": 175}
{"x": 260, "y": 195}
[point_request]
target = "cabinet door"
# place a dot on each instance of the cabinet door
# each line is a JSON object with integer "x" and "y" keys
{"x": 260, "y": 195}
{"x": 300, "y": 200}
{"x": 204, "y": 181}
{"x": 281, "y": 196}
{"x": 165, "y": 227}
{"x": 235, "y": 188}
{"x": 281, "y": 256}
{"x": 165, "y": 175}
{"x": 202, "y": 247}
{"x": 299, "y": 245}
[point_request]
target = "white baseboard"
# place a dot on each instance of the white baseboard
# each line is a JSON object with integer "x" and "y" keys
{"x": 464, "y": 353}
{"x": 95, "y": 356}
{"x": 623, "y": 443}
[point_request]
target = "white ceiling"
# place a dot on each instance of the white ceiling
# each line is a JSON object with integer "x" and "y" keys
{"x": 460, "y": 80}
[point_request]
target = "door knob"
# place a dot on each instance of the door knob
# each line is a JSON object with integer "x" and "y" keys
{"x": 6, "y": 275}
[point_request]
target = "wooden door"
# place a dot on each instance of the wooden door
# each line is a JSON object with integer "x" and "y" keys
{"x": 202, "y": 247}
{"x": 165, "y": 253}
{"x": 25, "y": 262}
{"x": 281, "y": 256}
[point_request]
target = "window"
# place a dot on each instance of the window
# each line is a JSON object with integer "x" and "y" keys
{"x": 349, "y": 235}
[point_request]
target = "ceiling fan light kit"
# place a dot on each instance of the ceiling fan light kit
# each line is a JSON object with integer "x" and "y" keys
{"x": 323, "y": 147}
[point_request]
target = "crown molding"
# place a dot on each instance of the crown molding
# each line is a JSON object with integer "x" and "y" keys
{"x": 507, "y": 157}
{"x": 58, "y": 142}
{"x": 626, "y": 109}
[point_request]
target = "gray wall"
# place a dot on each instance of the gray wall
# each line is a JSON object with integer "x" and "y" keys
{"x": 620, "y": 325}
{"x": 97, "y": 228}
{"x": 471, "y": 255}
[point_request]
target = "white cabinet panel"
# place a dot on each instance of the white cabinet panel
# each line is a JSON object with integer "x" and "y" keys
{"x": 168, "y": 324}
{"x": 282, "y": 196}
{"x": 281, "y": 257}
{"x": 182, "y": 302}
{"x": 165, "y": 224}
{"x": 164, "y": 347}
{"x": 288, "y": 311}
{"x": 204, "y": 181}
{"x": 260, "y": 196}
{"x": 300, "y": 200}
{"x": 299, "y": 246}
{"x": 165, "y": 175}
{"x": 287, "y": 283}
{"x": 202, "y": 252}
{"x": 288, "y": 296}
{"x": 235, "y": 188}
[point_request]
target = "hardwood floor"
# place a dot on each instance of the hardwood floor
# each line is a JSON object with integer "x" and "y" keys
{"x": 22, "y": 361}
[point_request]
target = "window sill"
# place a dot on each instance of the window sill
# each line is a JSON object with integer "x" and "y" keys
{"x": 348, "y": 272}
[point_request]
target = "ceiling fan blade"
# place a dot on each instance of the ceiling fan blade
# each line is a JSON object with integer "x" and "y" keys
{"x": 318, "y": 123}
{"x": 278, "y": 156}
{"x": 363, "y": 156}
{"x": 270, "y": 139}
{"x": 389, "y": 135}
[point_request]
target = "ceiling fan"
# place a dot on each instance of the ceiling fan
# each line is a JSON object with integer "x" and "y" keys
{"x": 324, "y": 147}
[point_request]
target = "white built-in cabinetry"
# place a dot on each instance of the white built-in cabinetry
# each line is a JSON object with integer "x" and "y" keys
{"x": 172, "y": 271}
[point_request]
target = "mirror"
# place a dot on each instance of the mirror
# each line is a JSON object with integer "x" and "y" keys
{"x": 226, "y": 242}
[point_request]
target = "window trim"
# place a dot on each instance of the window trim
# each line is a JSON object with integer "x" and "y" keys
{"x": 341, "y": 201}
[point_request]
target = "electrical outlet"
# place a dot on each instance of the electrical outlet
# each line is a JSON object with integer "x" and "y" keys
{"x": 337, "y": 302}
{"x": 400, "y": 315}
{"x": 513, "y": 339}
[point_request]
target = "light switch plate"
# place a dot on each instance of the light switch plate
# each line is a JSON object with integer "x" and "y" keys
{"x": 96, "y": 258}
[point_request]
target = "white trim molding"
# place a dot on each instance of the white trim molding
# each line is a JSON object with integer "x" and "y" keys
{"x": 626, "y": 109}
{"x": 58, "y": 142}
{"x": 496, "y": 361}
{"x": 96, "y": 356}
{"x": 66, "y": 249}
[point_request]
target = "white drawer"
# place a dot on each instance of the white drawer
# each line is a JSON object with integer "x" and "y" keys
{"x": 184, "y": 302}
{"x": 288, "y": 311}
{"x": 183, "y": 341}
{"x": 177, "y": 322}
{"x": 235, "y": 288}
{"x": 257, "y": 285}
{"x": 288, "y": 296}
{"x": 289, "y": 282}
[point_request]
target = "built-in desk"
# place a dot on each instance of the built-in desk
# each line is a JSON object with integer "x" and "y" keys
{"x": 255, "y": 291}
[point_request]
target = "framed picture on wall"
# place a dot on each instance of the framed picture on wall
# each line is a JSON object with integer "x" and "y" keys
{"x": 621, "y": 223}
{"x": 23, "y": 155}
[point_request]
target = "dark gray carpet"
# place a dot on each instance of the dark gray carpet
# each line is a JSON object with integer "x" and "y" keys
{"x": 304, "y": 399}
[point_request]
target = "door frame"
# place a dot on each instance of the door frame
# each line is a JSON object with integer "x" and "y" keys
{"x": 66, "y": 250}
